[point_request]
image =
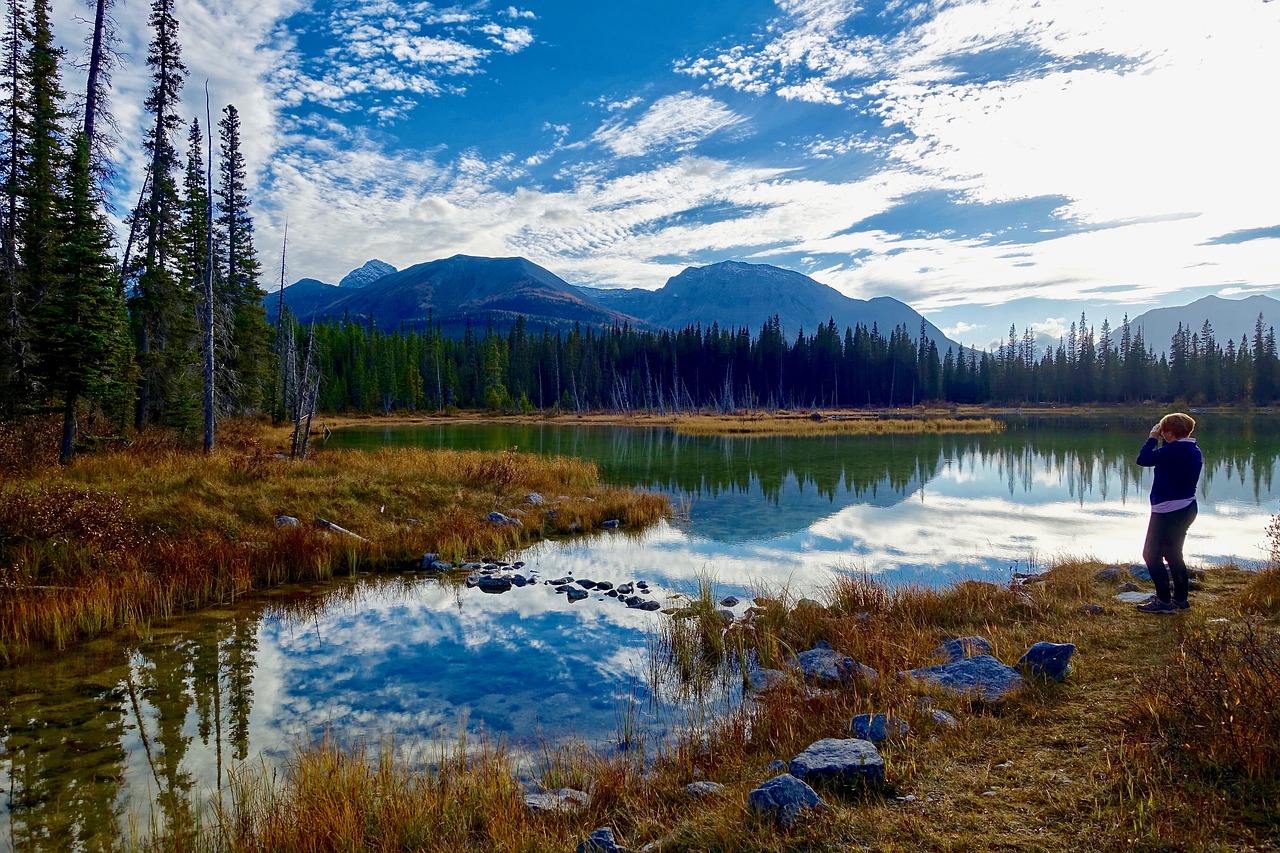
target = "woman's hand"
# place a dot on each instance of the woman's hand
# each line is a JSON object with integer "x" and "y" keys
{"x": 1155, "y": 431}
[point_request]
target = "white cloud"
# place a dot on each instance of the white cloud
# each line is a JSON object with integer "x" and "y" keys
{"x": 676, "y": 121}
{"x": 960, "y": 329}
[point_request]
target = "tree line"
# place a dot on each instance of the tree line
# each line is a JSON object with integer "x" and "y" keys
{"x": 370, "y": 370}
{"x": 167, "y": 328}
{"x": 166, "y": 325}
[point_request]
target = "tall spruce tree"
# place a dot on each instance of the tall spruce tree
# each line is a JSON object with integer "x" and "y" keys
{"x": 248, "y": 337}
{"x": 161, "y": 308}
{"x": 83, "y": 340}
{"x": 15, "y": 354}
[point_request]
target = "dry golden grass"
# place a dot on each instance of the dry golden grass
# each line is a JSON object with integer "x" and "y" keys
{"x": 1131, "y": 753}
{"x": 144, "y": 531}
{"x": 857, "y": 423}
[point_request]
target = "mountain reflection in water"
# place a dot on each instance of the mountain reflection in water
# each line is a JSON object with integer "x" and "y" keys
{"x": 117, "y": 735}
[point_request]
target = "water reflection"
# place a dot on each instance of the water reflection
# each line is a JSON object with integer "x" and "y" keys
{"x": 100, "y": 744}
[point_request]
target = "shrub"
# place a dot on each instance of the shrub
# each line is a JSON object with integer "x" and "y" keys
{"x": 1218, "y": 704}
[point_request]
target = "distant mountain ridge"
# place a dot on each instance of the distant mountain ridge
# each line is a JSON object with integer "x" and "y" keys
{"x": 453, "y": 292}
{"x": 367, "y": 274}
{"x": 465, "y": 289}
{"x": 741, "y": 295}
{"x": 1229, "y": 319}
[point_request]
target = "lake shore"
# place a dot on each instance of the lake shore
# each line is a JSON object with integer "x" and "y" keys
{"x": 129, "y": 535}
{"x": 1133, "y": 750}
{"x": 792, "y": 422}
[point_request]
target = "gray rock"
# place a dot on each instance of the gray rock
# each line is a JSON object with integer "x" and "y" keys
{"x": 942, "y": 718}
{"x": 559, "y": 800}
{"x": 760, "y": 680}
{"x": 1140, "y": 571}
{"x": 825, "y": 665}
{"x": 1128, "y": 586}
{"x": 533, "y": 499}
{"x": 844, "y": 761}
{"x": 726, "y": 615}
{"x": 604, "y": 585}
{"x": 960, "y": 648}
{"x": 600, "y": 841}
{"x": 1092, "y": 609}
{"x": 633, "y": 601}
{"x": 561, "y": 581}
{"x": 611, "y": 524}
{"x": 496, "y": 517}
{"x": 704, "y": 789}
{"x": 878, "y": 728}
{"x": 982, "y": 677}
{"x": 783, "y": 798}
{"x": 287, "y": 521}
{"x": 519, "y": 580}
{"x": 1111, "y": 574}
{"x": 471, "y": 567}
{"x": 586, "y": 583}
{"x": 575, "y": 594}
{"x": 626, "y": 589}
{"x": 729, "y": 602}
{"x": 494, "y": 584}
{"x": 650, "y": 606}
{"x": 778, "y": 765}
{"x": 1047, "y": 660}
{"x": 1132, "y": 597}
{"x": 473, "y": 580}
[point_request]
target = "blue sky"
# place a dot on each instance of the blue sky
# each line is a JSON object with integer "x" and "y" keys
{"x": 988, "y": 163}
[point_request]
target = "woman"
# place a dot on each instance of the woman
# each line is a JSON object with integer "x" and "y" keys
{"x": 1177, "y": 463}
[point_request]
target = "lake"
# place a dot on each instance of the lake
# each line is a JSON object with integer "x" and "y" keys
{"x": 89, "y": 741}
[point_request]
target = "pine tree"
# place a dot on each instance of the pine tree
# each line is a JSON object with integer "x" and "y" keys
{"x": 84, "y": 347}
{"x": 161, "y": 308}
{"x": 15, "y": 351}
{"x": 240, "y": 298}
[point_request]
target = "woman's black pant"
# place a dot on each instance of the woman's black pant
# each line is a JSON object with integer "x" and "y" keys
{"x": 1165, "y": 534}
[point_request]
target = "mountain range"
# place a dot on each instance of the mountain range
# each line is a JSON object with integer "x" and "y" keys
{"x": 465, "y": 290}
{"x": 461, "y": 290}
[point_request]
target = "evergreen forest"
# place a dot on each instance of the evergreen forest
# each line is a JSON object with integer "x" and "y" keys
{"x": 163, "y": 323}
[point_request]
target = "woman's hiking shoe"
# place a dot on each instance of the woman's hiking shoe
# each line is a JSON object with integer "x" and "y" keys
{"x": 1156, "y": 606}
{"x": 1181, "y": 605}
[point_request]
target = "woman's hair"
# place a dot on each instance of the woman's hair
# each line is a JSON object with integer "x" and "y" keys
{"x": 1179, "y": 424}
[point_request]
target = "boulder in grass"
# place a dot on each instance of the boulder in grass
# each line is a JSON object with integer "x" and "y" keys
{"x": 1111, "y": 574}
{"x": 825, "y": 665}
{"x": 982, "y": 677}
{"x": 533, "y": 499}
{"x": 1047, "y": 660}
{"x": 959, "y": 648}
{"x": 500, "y": 519}
{"x": 1140, "y": 571}
{"x": 783, "y": 798}
{"x": 600, "y": 841}
{"x": 287, "y": 521}
{"x": 704, "y": 789}
{"x": 878, "y": 728}
{"x": 760, "y": 680}
{"x": 847, "y": 762}
{"x": 559, "y": 800}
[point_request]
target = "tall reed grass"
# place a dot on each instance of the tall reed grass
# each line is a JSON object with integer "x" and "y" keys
{"x": 139, "y": 532}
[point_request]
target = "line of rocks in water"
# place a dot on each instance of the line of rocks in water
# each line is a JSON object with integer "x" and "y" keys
{"x": 852, "y": 764}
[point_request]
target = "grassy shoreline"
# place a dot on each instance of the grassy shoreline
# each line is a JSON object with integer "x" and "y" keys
{"x": 1134, "y": 752}
{"x": 129, "y": 535}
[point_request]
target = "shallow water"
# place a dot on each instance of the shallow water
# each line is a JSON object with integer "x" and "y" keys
{"x": 104, "y": 741}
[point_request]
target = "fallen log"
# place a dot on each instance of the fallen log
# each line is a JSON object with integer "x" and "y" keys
{"x": 329, "y": 525}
